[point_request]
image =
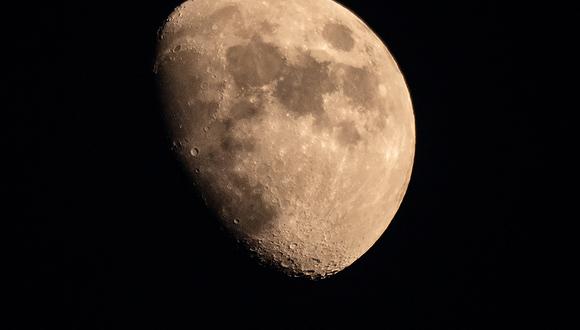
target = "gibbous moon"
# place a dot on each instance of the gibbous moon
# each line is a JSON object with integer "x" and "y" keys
{"x": 294, "y": 122}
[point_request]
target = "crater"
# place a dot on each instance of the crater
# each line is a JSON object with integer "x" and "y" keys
{"x": 254, "y": 65}
{"x": 339, "y": 36}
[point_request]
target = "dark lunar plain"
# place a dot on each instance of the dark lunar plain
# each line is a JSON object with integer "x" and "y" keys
{"x": 104, "y": 231}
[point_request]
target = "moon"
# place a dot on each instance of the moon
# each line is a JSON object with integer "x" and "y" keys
{"x": 295, "y": 124}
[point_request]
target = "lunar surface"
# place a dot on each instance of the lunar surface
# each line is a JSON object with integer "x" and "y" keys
{"x": 295, "y": 123}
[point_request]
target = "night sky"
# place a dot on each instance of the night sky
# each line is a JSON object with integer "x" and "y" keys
{"x": 105, "y": 231}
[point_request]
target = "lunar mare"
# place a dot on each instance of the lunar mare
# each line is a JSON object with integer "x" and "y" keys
{"x": 294, "y": 122}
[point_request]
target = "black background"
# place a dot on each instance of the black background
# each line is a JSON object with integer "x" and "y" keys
{"x": 109, "y": 234}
